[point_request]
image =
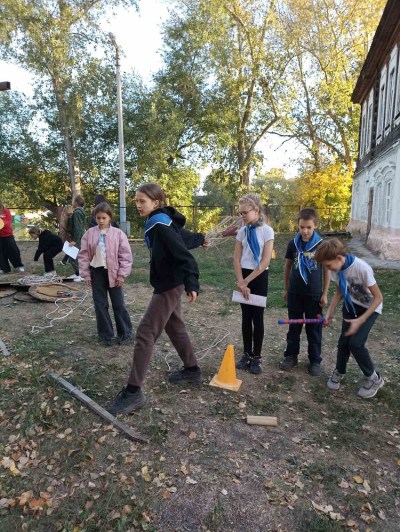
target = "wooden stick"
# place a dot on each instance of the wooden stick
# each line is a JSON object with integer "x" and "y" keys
{"x": 99, "y": 410}
{"x": 262, "y": 420}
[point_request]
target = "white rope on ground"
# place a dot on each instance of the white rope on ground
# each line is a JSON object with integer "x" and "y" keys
{"x": 65, "y": 312}
{"x": 30, "y": 280}
{"x": 206, "y": 349}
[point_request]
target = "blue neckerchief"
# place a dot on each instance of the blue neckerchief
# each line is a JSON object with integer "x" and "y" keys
{"x": 304, "y": 263}
{"x": 251, "y": 235}
{"x": 343, "y": 286}
{"x": 159, "y": 218}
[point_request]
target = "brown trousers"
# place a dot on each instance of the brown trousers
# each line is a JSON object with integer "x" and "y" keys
{"x": 163, "y": 312}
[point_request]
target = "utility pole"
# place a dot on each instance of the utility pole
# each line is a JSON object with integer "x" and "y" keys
{"x": 125, "y": 226}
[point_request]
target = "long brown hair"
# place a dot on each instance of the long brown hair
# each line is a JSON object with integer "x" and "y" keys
{"x": 154, "y": 192}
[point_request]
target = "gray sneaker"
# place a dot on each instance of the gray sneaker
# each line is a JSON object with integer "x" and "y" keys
{"x": 288, "y": 362}
{"x": 334, "y": 380}
{"x": 371, "y": 386}
{"x": 127, "y": 402}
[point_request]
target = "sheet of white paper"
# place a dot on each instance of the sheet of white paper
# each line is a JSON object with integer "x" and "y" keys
{"x": 72, "y": 251}
{"x": 257, "y": 301}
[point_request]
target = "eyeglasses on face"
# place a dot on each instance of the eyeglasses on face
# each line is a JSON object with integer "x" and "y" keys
{"x": 243, "y": 213}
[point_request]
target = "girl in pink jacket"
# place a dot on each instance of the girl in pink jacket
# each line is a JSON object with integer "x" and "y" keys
{"x": 105, "y": 260}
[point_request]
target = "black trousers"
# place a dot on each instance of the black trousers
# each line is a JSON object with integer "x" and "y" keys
{"x": 100, "y": 290}
{"x": 304, "y": 306}
{"x": 253, "y": 317}
{"x": 48, "y": 256}
{"x": 9, "y": 252}
{"x": 355, "y": 344}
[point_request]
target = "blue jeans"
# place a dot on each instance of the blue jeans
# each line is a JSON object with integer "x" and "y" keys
{"x": 355, "y": 344}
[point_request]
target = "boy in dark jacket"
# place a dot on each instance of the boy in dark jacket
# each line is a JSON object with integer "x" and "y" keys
{"x": 49, "y": 245}
{"x": 306, "y": 291}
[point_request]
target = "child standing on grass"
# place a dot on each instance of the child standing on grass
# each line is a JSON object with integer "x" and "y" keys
{"x": 9, "y": 251}
{"x": 173, "y": 271}
{"x": 362, "y": 304}
{"x": 63, "y": 229}
{"x": 252, "y": 255}
{"x": 105, "y": 260}
{"x": 50, "y": 245}
{"x": 303, "y": 291}
{"x": 76, "y": 228}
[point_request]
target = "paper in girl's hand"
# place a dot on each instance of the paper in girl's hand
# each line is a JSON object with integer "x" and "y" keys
{"x": 257, "y": 301}
{"x": 72, "y": 251}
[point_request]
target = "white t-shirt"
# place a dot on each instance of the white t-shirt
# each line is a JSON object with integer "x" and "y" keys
{"x": 100, "y": 258}
{"x": 264, "y": 234}
{"x": 359, "y": 277}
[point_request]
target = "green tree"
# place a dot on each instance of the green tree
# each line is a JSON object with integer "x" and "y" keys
{"x": 55, "y": 40}
{"x": 326, "y": 42}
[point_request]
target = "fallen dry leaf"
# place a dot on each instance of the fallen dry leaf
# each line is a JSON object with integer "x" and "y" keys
{"x": 358, "y": 479}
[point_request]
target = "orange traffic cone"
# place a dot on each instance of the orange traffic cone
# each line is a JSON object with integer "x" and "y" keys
{"x": 226, "y": 377}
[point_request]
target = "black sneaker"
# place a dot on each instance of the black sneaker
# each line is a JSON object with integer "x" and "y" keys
{"x": 288, "y": 362}
{"x": 255, "y": 365}
{"x": 125, "y": 341}
{"x": 108, "y": 342}
{"x": 314, "y": 369}
{"x": 244, "y": 362}
{"x": 185, "y": 376}
{"x": 127, "y": 402}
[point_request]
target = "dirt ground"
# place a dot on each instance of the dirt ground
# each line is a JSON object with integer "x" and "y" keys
{"x": 332, "y": 463}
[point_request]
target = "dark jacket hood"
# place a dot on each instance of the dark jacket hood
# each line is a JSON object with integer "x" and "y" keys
{"x": 176, "y": 216}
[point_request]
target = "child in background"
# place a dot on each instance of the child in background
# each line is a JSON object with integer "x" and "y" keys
{"x": 362, "y": 304}
{"x": 9, "y": 251}
{"x": 173, "y": 270}
{"x": 76, "y": 228}
{"x": 303, "y": 291}
{"x": 252, "y": 255}
{"x": 105, "y": 260}
{"x": 63, "y": 229}
{"x": 99, "y": 198}
{"x": 50, "y": 245}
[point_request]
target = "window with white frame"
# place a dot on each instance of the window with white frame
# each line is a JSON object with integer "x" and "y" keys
{"x": 377, "y": 204}
{"x": 388, "y": 202}
{"x": 381, "y": 105}
{"x": 391, "y": 88}
{"x": 363, "y": 129}
{"x": 368, "y": 130}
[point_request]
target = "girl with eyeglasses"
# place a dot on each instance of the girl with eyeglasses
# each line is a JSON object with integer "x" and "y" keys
{"x": 252, "y": 255}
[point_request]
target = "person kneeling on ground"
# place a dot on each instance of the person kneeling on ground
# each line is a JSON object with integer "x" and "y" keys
{"x": 50, "y": 245}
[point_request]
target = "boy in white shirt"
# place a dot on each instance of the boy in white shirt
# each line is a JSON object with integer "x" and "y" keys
{"x": 362, "y": 304}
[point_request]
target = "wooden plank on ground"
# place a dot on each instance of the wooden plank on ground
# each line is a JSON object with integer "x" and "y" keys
{"x": 99, "y": 410}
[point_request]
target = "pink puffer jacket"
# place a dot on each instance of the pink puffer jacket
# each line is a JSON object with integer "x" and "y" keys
{"x": 118, "y": 252}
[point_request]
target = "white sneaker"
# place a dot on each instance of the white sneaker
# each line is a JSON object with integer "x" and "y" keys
{"x": 79, "y": 279}
{"x": 50, "y": 274}
{"x": 20, "y": 269}
{"x": 333, "y": 382}
{"x": 73, "y": 276}
{"x": 1, "y": 272}
{"x": 371, "y": 386}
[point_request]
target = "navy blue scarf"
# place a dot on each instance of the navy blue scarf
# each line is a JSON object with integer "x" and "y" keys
{"x": 305, "y": 265}
{"x": 159, "y": 218}
{"x": 343, "y": 285}
{"x": 251, "y": 235}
